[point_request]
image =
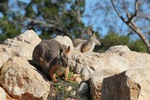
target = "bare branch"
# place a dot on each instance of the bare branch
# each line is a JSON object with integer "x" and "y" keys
{"x": 136, "y": 6}
{"x": 117, "y": 11}
{"x": 144, "y": 17}
{"x": 132, "y": 25}
{"x": 64, "y": 29}
{"x": 39, "y": 22}
{"x": 57, "y": 24}
{"x": 135, "y": 12}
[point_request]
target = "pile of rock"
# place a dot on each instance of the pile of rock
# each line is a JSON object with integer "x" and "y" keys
{"x": 117, "y": 74}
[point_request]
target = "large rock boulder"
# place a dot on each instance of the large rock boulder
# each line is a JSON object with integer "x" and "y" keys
{"x": 96, "y": 80}
{"x": 133, "y": 84}
{"x": 29, "y": 37}
{"x": 4, "y": 56}
{"x": 2, "y": 94}
{"x": 22, "y": 45}
{"x": 65, "y": 40}
{"x": 22, "y": 81}
{"x": 87, "y": 63}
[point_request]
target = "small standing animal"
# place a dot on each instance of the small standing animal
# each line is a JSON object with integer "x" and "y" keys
{"x": 87, "y": 45}
{"x": 51, "y": 56}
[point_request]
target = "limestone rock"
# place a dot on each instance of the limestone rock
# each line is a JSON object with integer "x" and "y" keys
{"x": 2, "y": 94}
{"x": 110, "y": 84}
{"x": 133, "y": 84}
{"x": 96, "y": 80}
{"x": 118, "y": 49}
{"x": 23, "y": 81}
{"x": 65, "y": 40}
{"x": 4, "y": 56}
{"x": 22, "y": 45}
{"x": 69, "y": 88}
{"x": 28, "y": 36}
{"x": 87, "y": 63}
{"x": 138, "y": 83}
{"x": 98, "y": 67}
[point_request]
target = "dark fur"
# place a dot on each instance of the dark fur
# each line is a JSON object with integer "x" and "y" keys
{"x": 50, "y": 50}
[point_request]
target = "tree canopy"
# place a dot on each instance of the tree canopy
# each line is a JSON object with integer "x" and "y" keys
{"x": 47, "y": 17}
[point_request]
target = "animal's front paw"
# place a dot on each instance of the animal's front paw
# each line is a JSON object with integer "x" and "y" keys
{"x": 55, "y": 80}
{"x": 66, "y": 79}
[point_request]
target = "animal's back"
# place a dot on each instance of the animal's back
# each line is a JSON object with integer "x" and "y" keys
{"x": 77, "y": 43}
{"x": 52, "y": 50}
{"x": 48, "y": 50}
{"x": 87, "y": 47}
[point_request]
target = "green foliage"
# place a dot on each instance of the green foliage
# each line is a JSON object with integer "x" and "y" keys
{"x": 113, "y": 39}
{"x": 71, "y": 74}
{"x": 138, "y": 46}
{"x": 49, "y": 17}
{"x": 2, "y": 38}
{"x": 10, "y": 30}
{"x": 60, "y": 91}
{"x": 61, "y": 16}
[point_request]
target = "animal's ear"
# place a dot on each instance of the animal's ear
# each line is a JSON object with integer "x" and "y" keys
{"x": 89, "y": 32}
{"x": 67, "y": 50}
{"x": 93, "y": 33}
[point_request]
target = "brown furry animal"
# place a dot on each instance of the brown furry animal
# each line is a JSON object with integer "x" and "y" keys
{"x": 87, "y": 45}
{"x": 51, "y": 56}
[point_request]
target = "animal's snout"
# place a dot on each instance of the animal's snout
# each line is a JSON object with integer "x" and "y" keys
{"x": 64, "y": 62}
{"x": 98, "y": 42}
